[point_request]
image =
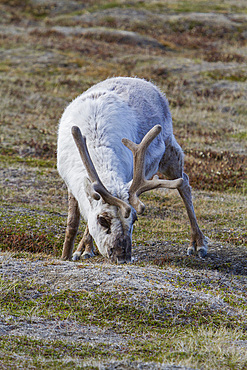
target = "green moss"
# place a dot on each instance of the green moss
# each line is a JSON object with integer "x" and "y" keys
{"x": 28, "y": 161}
{"x": 31, "y": 231}
{"x": 53, "y": 353}
{"x": 157, "y": 330}
{"x": 119, "y": 311}
{"x": 204, "y": 6}
{"x": 240, "y": 135}
{"x": 217, "y": 75}
{"x": 181, "y": 6}
{"x": 193, "y": 347}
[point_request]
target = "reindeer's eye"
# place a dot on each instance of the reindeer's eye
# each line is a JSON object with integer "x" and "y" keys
{"x": 105, "y": 221}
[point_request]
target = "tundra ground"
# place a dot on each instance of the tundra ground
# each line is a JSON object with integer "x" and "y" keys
{"x": 165, "y": 310}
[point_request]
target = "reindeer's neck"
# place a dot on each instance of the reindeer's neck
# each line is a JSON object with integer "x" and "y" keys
{"x": 114, "y": 173}
{"x": 112, "y": 166}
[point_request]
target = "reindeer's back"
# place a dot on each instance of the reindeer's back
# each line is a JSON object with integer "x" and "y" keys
{"x": 149, "y": 104}
{"x": 107, "y": 112}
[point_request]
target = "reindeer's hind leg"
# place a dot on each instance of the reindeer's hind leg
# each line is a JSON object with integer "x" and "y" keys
{"x": 171, "y": 165}
{"x": 73, "y": 221}
{"x": 86, "y": 245}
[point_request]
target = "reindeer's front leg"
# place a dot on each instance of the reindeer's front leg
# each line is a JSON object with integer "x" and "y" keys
{"x": 73, "y": 221}
{"x": 86, "y": 245}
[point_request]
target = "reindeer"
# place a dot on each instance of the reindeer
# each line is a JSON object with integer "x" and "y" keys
{"x": 112, "y": 140}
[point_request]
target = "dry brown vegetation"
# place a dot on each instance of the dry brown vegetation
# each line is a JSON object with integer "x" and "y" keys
{"x": 166, "y": 310}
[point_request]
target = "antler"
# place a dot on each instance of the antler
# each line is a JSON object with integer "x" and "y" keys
{"x": 97, "y": 187}
{"x": 140, "y": 184}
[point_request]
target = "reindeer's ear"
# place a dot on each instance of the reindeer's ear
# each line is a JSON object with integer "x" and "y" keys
{"x": 89, "y": 190}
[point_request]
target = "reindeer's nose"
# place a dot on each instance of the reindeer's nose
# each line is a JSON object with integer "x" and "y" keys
{"x": 126, "y": 259}
{"x": 120, "y": 251}
{"x": 120, "y": 258}
{"x": 120, "y": 261}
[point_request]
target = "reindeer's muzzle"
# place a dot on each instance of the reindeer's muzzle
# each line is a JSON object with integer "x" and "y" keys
{"x": 120, "y": 252}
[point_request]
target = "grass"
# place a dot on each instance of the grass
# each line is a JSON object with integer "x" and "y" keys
{"x": 201, "y": 6}
{"x": 50, "y": 354}
{"x": 162, "y": 330}
{"x": 58, "y": 354}
{"x": 198, "y": 318}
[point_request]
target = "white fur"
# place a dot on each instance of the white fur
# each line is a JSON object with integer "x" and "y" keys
{"x": 109, "y": 111}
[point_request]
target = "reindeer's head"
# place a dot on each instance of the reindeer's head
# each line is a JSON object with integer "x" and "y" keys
{"x": 111, "y": 219}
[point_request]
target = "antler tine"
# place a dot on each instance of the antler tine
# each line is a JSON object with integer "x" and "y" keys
{"x": 139, "y": 153}
{"x": 97, "y": 186}
{"x": 140, "y": 184}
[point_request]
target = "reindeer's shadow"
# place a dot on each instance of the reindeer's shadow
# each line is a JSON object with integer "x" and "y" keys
{"x": 229, "y": 259}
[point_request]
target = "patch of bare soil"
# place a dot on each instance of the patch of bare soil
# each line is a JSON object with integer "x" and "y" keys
{"x": 225, "y": 258}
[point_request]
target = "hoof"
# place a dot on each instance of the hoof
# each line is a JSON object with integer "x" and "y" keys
{"x": 192, "y": 249}
{"x": 87, "y": 255}
{"x": 65, "y": 258}
{"x": 202, "y": 252}
{"x": 200, "y": 249}
{"x": 76, "y": 256}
